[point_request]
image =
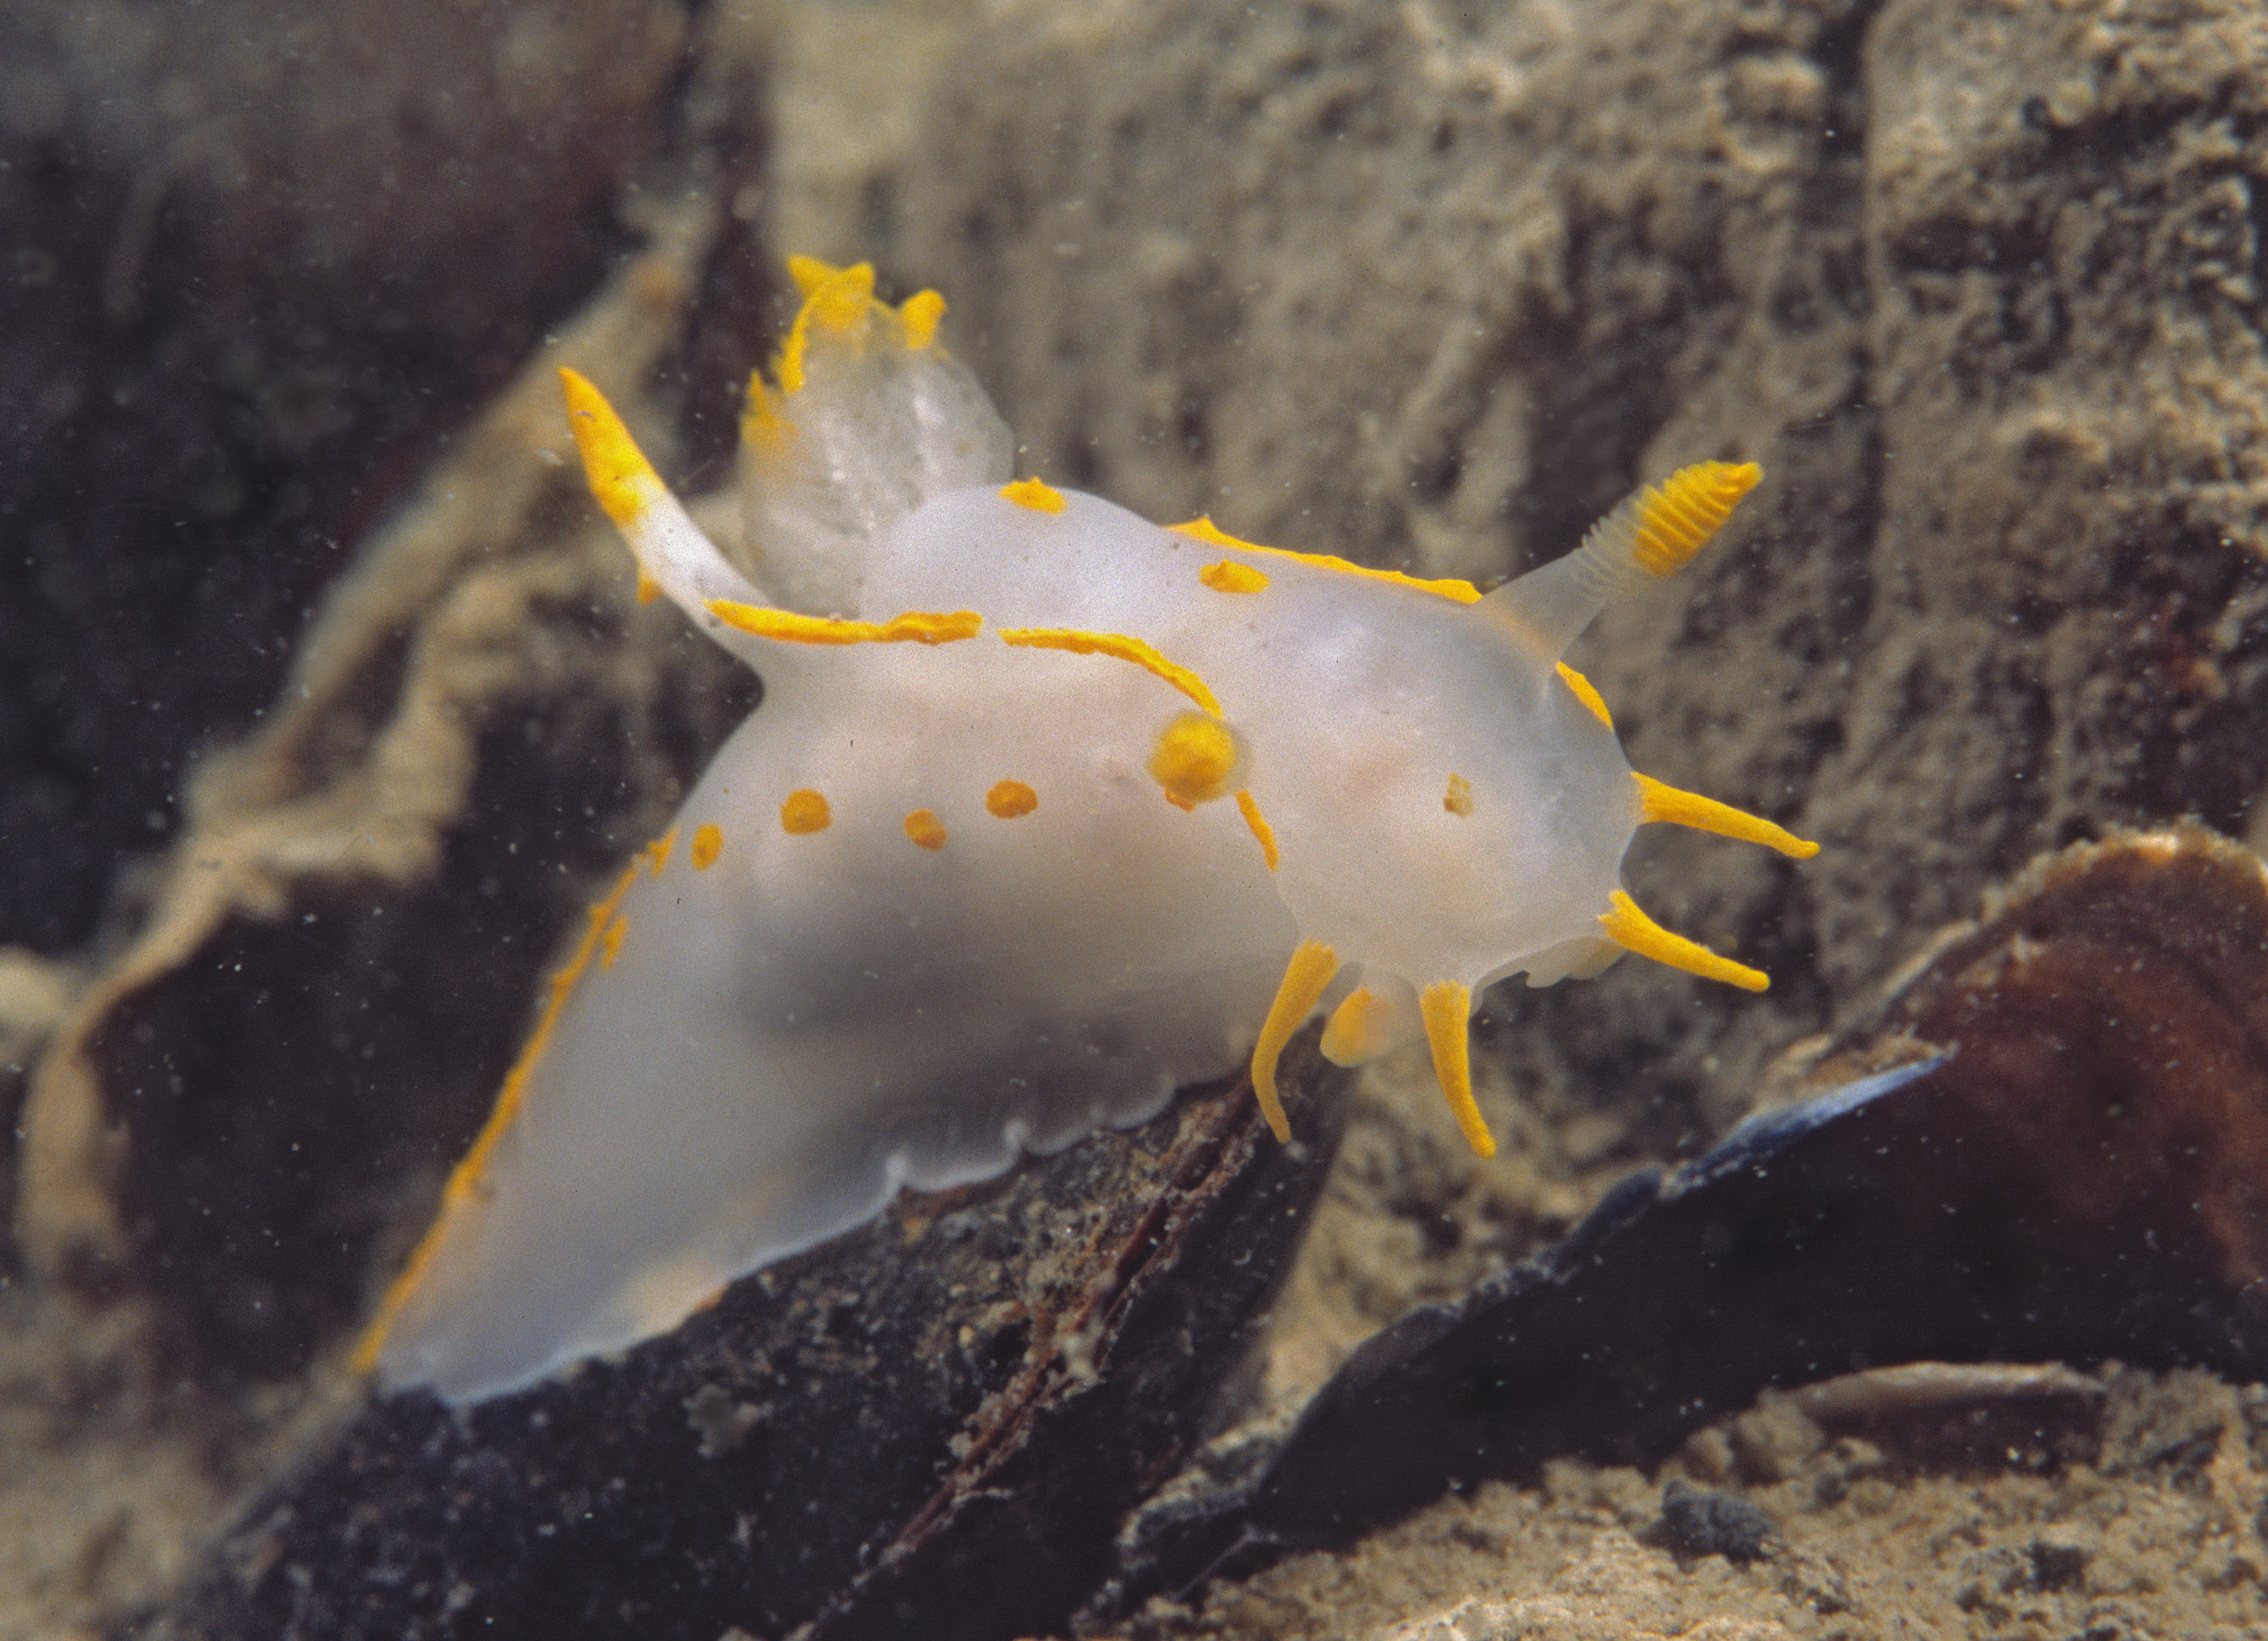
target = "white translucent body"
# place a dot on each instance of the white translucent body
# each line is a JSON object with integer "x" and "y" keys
{"x": 784, "y": 1038}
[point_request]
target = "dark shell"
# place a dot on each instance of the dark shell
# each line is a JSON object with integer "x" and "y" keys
{"x": 932, "y": 1426}
{"x": 2069, "y": 1166}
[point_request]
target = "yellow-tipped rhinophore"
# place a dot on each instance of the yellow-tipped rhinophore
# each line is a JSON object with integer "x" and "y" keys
{"x": 1659, "y": 801}
{"x": 1633, "y": 930}
{"x": 1310, "y": 970}
{"x": 622, "y": 479}
{"x": 1447, "y": 1007}
{"x": 1677, "y": 520}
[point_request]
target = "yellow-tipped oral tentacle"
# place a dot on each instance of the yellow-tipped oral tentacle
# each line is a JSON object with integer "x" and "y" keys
{"x": 1633, "y": 930}
{"x": 1659, "y": 801}
{"x": 1310, "y": 970}
{"x": 1447, "y": 1007}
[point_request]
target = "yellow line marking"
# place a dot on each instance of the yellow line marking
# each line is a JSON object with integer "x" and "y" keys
{"x": 1206, "y": 530}
{"x": 1257, "y": 823}
{"x": 1118, "y": 644}
{"x": 1585, "y": 694}
{"x": 467, "y": 1179}
{"x": 913, "y": 626}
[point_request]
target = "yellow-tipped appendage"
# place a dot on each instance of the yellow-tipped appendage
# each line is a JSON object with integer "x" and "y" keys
{"x": 1445, "y": 1007}
{"x": 622, "y": 479}
{"x": 1659, "y": 801}
{"x": 1310, "y": 970}
{"x": 1676, "y": 519}
{"x": 1633, "y": 930}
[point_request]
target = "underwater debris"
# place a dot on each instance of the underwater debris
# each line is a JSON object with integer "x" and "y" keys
{"x": 2068, "y": 1162}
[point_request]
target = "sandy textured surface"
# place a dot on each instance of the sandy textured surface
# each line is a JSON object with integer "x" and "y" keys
{"x": 1978, "y": 285}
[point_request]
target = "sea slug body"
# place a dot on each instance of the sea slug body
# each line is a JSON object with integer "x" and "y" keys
{"x": 1047, "y": 811}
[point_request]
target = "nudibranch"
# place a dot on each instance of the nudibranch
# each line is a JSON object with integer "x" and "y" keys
{"x": 1047, "y": 811}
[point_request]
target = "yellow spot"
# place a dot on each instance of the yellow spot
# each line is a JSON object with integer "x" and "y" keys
{"x": 923, "y": 828}
{"x": 1257, "y": 823}
{"x": 1206, "y": 530}
{"x": 1196, "y": 759}
{"x": 611, "y": 943}
{"x": 764, "y": 424}
{"x": 1658, "y": 801}
{"x": 920, "y": 313}
{"x": 834, "y": 299}
{"x": 787, "y": 626}
{"x": 1118, "y": 644}
{"x": 1310, "y": 970}
{"x": 467, "y": 1182}
{"x": 648, "y": 588}
{"x": 658, "y": 851}
{"x": 1633, "y": 930}
{"x": 1035, "y": 494}
{"x": 1351, "y": 1036}
{"x": 622, "y": 479}
{"x": 709, "y": 843}
{"x": 1008, "y": 799}
{"x": 1228, "y": 576}
{"x": 1677, "y": 520}
{"x": 1585, "y": 694}
{"x": 804, "y": 812}
{"x": 1458, "y": 800}
{"x": 1446, "y": 1006}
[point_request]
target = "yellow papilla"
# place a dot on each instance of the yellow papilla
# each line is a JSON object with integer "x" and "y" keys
{"x": 1196, "y": 759}
{"x": 1310, "y": 970}
{"x": 1035, "y": 494}
{"x": 1630, "y": 929}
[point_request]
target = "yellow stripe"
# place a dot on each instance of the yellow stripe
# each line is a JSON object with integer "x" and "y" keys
{"x": 1206, "y": 530}
{"x": 1633, "y": 930}
{"x": 1118, "y": 644}
{"x": 1257, "y": 823}
{"x": 1586, "y": 693}
{"x": 1659, "y": 801}
{"x": 467, "y": 1179}
{"x": 913, "y": 626}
